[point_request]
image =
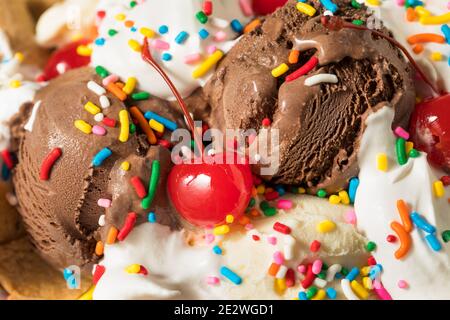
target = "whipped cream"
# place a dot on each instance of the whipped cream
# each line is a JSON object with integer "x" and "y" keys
{"x": 424, "y": 270}
{"x": 118, "y": 58}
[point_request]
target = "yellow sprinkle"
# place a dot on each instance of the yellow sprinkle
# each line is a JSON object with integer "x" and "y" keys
{"x": 157, "y": 126}
{"x": 19, "y": 56}
{"x": 76, "y": 36}
{"x": 373, "y": 2}
{"x": 442, "y": 19}
{"x": 320, "y": 295}
{"x": 125, "y": 166}
{"x": 439, "y": 190}
{"x": 345, "y": 199}
{"x": 306, "y": 9}
{"x": 365, "y": 270}
{"x": 83, "y": 126}
{"x": 409, "y": 146}
{"x": 334, "y": 199}
{"x": 260, "y": 189}
{"x": 359, "y": 290}
{"x": 14, "y": 84}
{"x": 147, "y": 32}
{"x": 422, "y": 12}
{"x": 134, "y": 268}
{"x": 436, "y": 56}
{"x": 84, "y": 50}
{"x": 280, "y": 70}
{"x": 136, "y": 46}
{"x": 301, "y": 190}
{"x": 120, "y": 17}
{"x": 221, "y": 230}
{"x": 325, "y": 226}
{"x": 88, "y": 295}
{"x": 124, "y": 126}
{"x": 367, "y": 283}
{"x": 92, "y": 108}
{"x": 280, "y": 286}
{"x": 207, "y": 65}
{"x": 382, "y": 162}
{"x": 229, "y": 218}
{"x": 130, "y": 85}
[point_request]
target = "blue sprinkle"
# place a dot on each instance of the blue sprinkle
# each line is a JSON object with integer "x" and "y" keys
{"x": 67, "y": 273}
{"x": 449, "y": 61}
{"x": 163, "y": 29}
{"x": 301, "y": 1}
{"x": 421, "y": 223}
{"x": 302, "y": 295}
{"x": 203, "y": 33}
{"x": 72, "y": 282}
{"x": 181, "y": 37}
{"x": 329, "y": 5}
{"x": 331, "y": 293}
{"x": 413, "y": 3}
{"x": 433, "y": 242}
{"x": 6, "y": 173}
{"x": 339, "y": 276}
{"x": 446, "y": 31}
{"x": 172, "y": 126}
{"x": 236, "y": 25}
{"x": 152, "y": 217}
{"x": 352, "y": 274}
{"x": 133, "y": 29}
{"x": 281, "y": 191}
{"x": 352, "y": 188}
{"x": 101, "y": 156}
{"x": 375, "y": 271}
{"x": 100, "y": 41}
{"x": 217, "y": 250}
{"x": 230, "y": 275}
{"x": 166, "y": 56}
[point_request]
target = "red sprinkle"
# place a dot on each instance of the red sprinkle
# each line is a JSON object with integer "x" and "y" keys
{"x": 47, "y": 164}
{"x": 282, "y": 228}
{"x": 101, "y": 14}
{"x": 255, "y": 237}
{"x": 290, "y": 278}
{"x": 164, "y": 143}
{"x": 445, "y": 180}
{"x": 139, "y": 187}
{"x": 371, "y": 261}
{"x": 266, "y": 122}
{"x": 109, "y": 122}
{"x": 207, "y": 7}
{"x": 98, "y": 273}
{"x": 315, "y": 246}
{"x": 128, "y": 226}
{"x": 307, "y": 67}
{"x": 256, "y": 180}
{"x": 143, "y": 270}
{"x": 391, "y": 238}
{"x": 271, "y": 195}
{"x": 309, "y": 278}
{"x": 7, "y": 159}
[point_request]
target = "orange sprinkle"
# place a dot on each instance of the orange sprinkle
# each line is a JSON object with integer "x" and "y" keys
{"x": 99, "y": 248}
{"x": 121, "y": 85}
{"x": 143, "y": 123}
{"x": 268, "y": 190}
{"x": 293, "y": 56}
{"x": 418, "y": 48}
{"x": 425, "y": 37}
{"x": 254, "y": 213}
{"x": 411, "y": 14}
{"x": 403, "y": 211}
{"x": 244, "y": 220}
{"x": 405, "y": 240}
{"x": 115, "y": 90}
{"x": 252, "y": 26}
{"x": 273, "y": 269}
{"x": 254, "y": 192}
{"x": 112, "y": 235}
{"x": 129, "y": 23}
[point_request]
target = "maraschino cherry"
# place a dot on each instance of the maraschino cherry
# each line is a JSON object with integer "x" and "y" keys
{"x": 264, "y": 7}
{"x": 204, "y": 194}
{"x": 64, "y": 59}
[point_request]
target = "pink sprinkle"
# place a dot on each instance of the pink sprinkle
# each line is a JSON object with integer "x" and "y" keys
{"x": 317, "y": 266}
{"x": 272, "y": 240}
{"x": 402, "y": 133}
{"x": 448, "y": 5}
{"x": 104, "y": 203}
{"x": 246, "y": 7}
{"x": 212, "y": 280}
{"x": 381, "y": 291}
{"x": 402, "y": 284}
{"x": 301, "y": 269}
{"x": 193, "y": 58}
{"x": 278, "y": 257}
{"x": 211, "y": 49}
{"x": 220, "y": 36}
{"x": 160, "y": 44}
{"x": 209, "y": 238}
{"x": 110, "y": 79}
{"x": 350, "y": 217}
{"x": 98, "y": 130}
{"x": 401, "y": 2}
{"x": 248, "y": 227}
{"x": 284, "y": 204}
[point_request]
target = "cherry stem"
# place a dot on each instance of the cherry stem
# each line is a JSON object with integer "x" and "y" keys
{"x": 336, "y": 23}
{"x": 147, "y": 57}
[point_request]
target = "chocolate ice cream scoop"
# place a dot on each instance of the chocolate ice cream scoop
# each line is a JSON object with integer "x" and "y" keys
{"x": 320, "y": 124}
{"x": 63, "y": 214}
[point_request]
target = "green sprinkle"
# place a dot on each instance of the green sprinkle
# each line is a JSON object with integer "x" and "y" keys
{"x": 133, "y": 4}
{"x": 446, "y": 236}
{"x": 358, "y": 22}
{"x": 154, "y": 179}
{"x": 264, "y": 205}
{"x": 132, "y": 128}
{"x": 321, "y": 193}
{"x": 112, "y": 32}
{"x": 355, "y": 4}
{"x": 252, "y": 203}
{"x": 102, "y": 72}
{"x": 344, "y": 271}
{"x": 400, "y": 148}
{"x": 192, "y": 144}
{"x": 311, "y": 292}
{"x": 322, "y": 275}
{"x": 202, "y": 17}
{"x": 270, "y": 212}
{"x": 413, "y": 153}
{"x": 140, "y": 95}
{"x": 324, "y": 266}
{"x": 370, "y": 246}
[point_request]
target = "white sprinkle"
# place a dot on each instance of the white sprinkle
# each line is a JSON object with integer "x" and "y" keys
{"x": 328, "y": 13}
{"x": 99, "y": 117}
{"x": 62, "y": 67}
{"x": 320, "y": 283}
{"x": 347, "y": 290}
{"x": 104, "y": 102}
{"x": 101, "y": 220}
{"x": 332, "y": 270}
{"x": 96, "y": 88}
{"x": 281, "y": 272}
{"x": 321, "y": 78}
{"x": 288, "y": 251}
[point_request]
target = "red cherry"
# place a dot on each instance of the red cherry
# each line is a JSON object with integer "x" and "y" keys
{"x": 204, "y": 194}
{"x": 263, "y": 7}
{"x": 64, "y": 59}
{"x": 430, "y": 130}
